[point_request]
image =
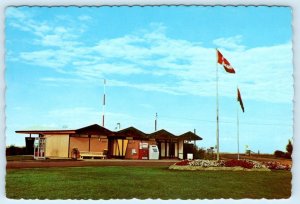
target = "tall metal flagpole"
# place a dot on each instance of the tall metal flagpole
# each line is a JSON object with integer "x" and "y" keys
{"x": 217, "y": 104}
{"x": 103, "y": 105}
{"x": 237, "y": 119}
{"x": 238, "y": 127}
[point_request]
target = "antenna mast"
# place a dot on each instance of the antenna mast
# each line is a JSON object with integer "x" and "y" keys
{"x": 103, "y": 105}
{"x": 155, "y": 126}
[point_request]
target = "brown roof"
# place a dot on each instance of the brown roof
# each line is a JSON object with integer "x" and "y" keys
{"x": 90, "y": 130}
{"x": 127, "y": 132}
{"x": 55, "y": 132}
{"x": 131, "y": 132}
{"x": 94, "y": 130}
{"x": 189, "y": 136}
{"x": 162, "y": 135}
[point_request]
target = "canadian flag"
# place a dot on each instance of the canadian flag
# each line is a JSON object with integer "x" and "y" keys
{"x": 223, "y": 61}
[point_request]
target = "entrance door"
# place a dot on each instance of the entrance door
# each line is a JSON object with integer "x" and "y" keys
{"x": 159, "y": 149}
{"x": 187, "y": 148}
{"x": 119, "y": 148}
{"x": 29, "y": 145}
{"x": 172, "y": 149}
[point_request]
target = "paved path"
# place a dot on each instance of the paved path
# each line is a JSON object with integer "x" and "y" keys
{"x": 79, "y": 163}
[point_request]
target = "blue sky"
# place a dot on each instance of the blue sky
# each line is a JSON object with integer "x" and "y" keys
{"x": 155, "y": 59}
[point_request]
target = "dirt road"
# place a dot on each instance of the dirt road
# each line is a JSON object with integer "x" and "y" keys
{"x": 80, "y": 163}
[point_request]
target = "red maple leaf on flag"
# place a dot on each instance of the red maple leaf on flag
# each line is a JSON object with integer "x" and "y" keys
{"x": 223, "y": 61}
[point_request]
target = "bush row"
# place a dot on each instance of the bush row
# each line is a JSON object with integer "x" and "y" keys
{"x": 13, "y": 150}
{"x": 282, "y": 154}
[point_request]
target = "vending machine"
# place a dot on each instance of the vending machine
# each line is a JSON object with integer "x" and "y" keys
{"x": 39, "y": 148}
{"x": 153, "y": 152}
{"x": 144, "y": 150}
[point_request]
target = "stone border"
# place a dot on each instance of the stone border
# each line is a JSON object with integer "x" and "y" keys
{"x": 200, "y": 168}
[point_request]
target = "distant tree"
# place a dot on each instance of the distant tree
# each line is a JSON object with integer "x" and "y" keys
{"x": 289, "y": 147}
{"x": 14, "y": 150}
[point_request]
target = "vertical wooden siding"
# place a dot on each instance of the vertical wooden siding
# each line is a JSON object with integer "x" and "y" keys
{"x": 57, "y": 145}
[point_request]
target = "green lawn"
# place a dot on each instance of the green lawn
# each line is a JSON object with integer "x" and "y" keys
{"x": 144, "y": 182}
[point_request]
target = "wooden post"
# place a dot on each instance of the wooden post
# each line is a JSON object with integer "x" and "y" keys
{"x": 178, "y": 148}
{"x": 89, "y": 143}
{"x": 165, "y": 149}
{"x": 69, "y": 147}
{"x": 122, "y": 147}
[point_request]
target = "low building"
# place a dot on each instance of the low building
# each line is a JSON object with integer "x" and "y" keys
{"x": 129, "y": 143}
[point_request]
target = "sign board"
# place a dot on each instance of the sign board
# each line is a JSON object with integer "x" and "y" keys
{"x": 102, "y": 137}
{"x": 188, "y": 141}
{"x": 190, "y": 156}
{"x": 153, "y": 152}
{"x": 36, "y": 142}
{"x": 143, "y": 145}
{"x": 210, "y": 150}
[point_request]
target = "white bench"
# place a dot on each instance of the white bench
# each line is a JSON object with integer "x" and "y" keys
{"x": 92, "y": 155}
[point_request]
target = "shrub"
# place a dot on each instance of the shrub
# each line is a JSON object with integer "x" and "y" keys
{"x": 198, "y": 153}
{"x": 182, "y": 163}
{"x": 241, "y": 163}
{"x": 279, "y": 153}
{"x": 287, "y": 155}
{"x": 13, "y": 150}
{"x": 277, "y": 166}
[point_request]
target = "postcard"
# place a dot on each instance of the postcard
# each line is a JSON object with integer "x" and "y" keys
{"x": 160, "y": 102}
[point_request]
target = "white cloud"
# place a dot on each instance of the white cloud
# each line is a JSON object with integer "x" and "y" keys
{"x": 232, "y": 43}
{"x": 74, "y": 114}
{"x": 46, "y": 58}
{"x": 99, "y": 70}
{"x": 84, "y": 18}
{"x": 59, "y": 81}
{"x": 14, "y": 12}
{"x": 263, "y": 73}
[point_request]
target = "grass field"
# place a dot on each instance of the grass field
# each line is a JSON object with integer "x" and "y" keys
{"x": 144, "y": 182}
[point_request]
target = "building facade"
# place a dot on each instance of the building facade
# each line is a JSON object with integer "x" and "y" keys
{"x": 129, "y": 143}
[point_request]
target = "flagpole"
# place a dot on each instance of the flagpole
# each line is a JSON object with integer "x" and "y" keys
{"x": 238, "y": 128}
{"x": 217, "y": 107}
{"x": 237, "y": 120}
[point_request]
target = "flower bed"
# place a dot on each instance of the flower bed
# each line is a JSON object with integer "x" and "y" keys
{"x": 277, "y": 166}
{"x": 234, "y": 164}
{"x": 182, "y": 163}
